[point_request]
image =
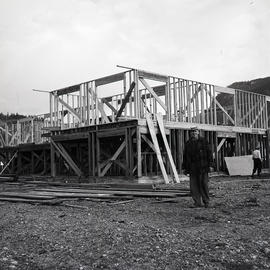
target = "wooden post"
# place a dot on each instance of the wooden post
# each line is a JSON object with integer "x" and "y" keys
{"x": 215, "y": 144}
{"x": 51, "y": 109}
{"x": 268, "y": 148}
{"x": 89, "y": 152}
{"x": 188, "y": 101}
{"x": 157, "y": 148}
{"x": 167, "y": 147}
{"x": 174, "y": 100}
{"x": 235, "y": 108}
{"x": 98, "y": 155}
{"x": 127, "y": 152}
{"x": 131, "y": 154}
{"x": 136, "y": 95}
{"x": 32, "y": 162}
{"x": 19, "y": 158}
{"x": 87, "y": 105}
{"x": 202, "y": 119}
{"x": 44, "y": 162}
{"x": 215, "y": 105}
{"x": 130, "y": 98}
{"x": 167, "y": 100}
{"x": 139, "y": 153}
{"x": 6, "y": 134}
{"x": 53, "y": 167}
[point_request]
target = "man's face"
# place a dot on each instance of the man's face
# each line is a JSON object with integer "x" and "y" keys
{"x": 194, "y": 134}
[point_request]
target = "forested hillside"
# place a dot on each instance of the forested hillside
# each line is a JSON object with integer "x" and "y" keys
{"x": 260, "y": 86}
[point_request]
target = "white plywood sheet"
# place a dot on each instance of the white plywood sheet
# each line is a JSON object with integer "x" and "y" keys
{"x": 241, "y": 165}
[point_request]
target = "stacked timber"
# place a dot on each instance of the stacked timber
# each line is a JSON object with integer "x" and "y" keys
{"x": 34, "y": 192}
{"x": 8, "y": 177}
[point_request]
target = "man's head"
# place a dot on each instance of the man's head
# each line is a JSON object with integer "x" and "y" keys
{"x": 194, "y": 133}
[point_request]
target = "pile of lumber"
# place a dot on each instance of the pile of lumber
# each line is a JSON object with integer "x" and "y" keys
{"x": 52, "y": 192}
{"x": 8, "y": 177}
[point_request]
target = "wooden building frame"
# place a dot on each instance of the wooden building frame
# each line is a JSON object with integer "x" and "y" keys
{"x": 93, "y": 134}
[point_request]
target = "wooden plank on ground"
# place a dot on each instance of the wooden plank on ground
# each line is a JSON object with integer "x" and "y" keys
{"x": 27, "y": 195}
{"x": 103, "y": 193}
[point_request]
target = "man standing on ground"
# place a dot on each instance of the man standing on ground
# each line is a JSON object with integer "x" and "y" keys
{"x": 257, "y": 161}
{"x": 197, "y": 160}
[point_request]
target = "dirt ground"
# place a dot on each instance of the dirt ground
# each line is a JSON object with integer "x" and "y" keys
{"x": 145, "y": 233}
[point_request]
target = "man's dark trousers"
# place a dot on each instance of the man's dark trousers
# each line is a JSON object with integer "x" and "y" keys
{"x": 257, "y": 166}
{"x": 199, "y": 187}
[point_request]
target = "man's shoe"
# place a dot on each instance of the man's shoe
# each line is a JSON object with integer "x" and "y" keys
{"x": 206, "y": 205}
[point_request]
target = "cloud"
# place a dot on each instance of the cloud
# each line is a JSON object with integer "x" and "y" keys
{"x": 53, "y": 44}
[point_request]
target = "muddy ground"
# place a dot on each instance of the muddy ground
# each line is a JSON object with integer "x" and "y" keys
{"x": 145, "y": 233}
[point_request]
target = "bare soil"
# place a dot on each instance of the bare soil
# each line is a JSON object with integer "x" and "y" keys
{"x": 145, "y": 233}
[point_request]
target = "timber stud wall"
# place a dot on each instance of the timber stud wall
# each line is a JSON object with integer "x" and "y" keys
{"x": 97, "y": 135}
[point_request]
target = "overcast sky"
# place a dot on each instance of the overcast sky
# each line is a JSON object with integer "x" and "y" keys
{"x": 49, "y": 44}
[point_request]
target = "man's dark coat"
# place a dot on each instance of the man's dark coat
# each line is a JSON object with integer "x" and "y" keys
{"x": 197, "y": 156}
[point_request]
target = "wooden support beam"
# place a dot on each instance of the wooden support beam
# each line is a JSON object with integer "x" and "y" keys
{"x": 113, "y": 158}
{"x": 131, "y": 132}
{"x": 152, "y": 76}
{"x": 126, "y": 99}
{"x": 109, "y": 105}
{"x": 258, "y": 115}
{"x": 127, "y": 172}
{"x": 5, "y": 130}
{"x": 99, "y": 106}
{"x": 249, "y": 114}
{"x": 149, "y": 142}
{"x": 120, "y": 164}
{"x": 61, "y": 150}
{"x": 13, "y": 138}
{"x": 70, "y": 109}
{"x": 150, "y": 89}
{"x": 110, "y": 79}
{"x": 188, "y": 101}
{"x": 202, "y": 106}
{"x": 2, "y": 141}
{"x": 162, "y": 131}
{"x": 155, "y": 142}
{"x": 268, "y": 148}
{"x": 12, "y": 158}
{"x": 92, "y": 151}
{"x": 139, "y": 152}
{"x": 220, "y": 106}
{"x": 220, "y": 144}
{"x": 26, "y": 138}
